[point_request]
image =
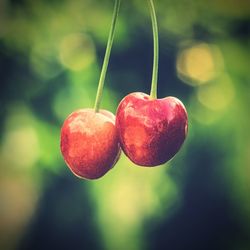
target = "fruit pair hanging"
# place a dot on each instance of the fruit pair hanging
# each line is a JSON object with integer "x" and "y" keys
{"x": 150, "y": 131}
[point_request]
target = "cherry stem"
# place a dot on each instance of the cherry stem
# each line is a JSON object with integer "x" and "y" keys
{"x": 153, "y": 92}
{"x": 106, "y": 57}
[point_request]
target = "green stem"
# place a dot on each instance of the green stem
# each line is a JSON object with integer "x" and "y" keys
{"x": 106, "y": 57}
{"x": 153, "y": 92}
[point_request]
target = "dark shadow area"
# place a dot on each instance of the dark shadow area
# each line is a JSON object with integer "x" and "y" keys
{"x": 206, "y": 219}
{"x": 64, "y": 219}
{"x": 131, "y": 70}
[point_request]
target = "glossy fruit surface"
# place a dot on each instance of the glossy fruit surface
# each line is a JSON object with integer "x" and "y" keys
{"x": 151, "y": 131}
{"x": 89, "y": 143}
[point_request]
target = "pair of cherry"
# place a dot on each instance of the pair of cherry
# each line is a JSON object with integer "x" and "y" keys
{"x": 150, "y": 131}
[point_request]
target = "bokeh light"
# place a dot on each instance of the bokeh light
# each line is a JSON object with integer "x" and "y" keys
{"x": 199, "y": 63}
{"x": 77, "y": 51}
{"x": 19, "y": 197}
{"x": 17, "y": 151}
{"x": 218, "y": 95}
{"x": 20, "y": 145}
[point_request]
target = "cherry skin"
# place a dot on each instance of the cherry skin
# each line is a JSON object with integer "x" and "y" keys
{"x": 89, "y": 143}
{"x": 151, "y": 131}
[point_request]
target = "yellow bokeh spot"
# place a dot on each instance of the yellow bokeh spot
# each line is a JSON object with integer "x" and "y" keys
{"x": 20, "y": 145}
{"x": 202, "y": 114}
{"x": 199, "y": 64}
{"x": 125, "y": 211}
{"x": 77, "y": 51}
{"x": 217, "y": 96}
{"x": 19, "y": 195}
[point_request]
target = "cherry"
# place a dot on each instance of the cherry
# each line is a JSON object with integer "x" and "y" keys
{"x": 89, "y": 139}
{"x": 89, "y": 143}
{"x": 151, "y": 131}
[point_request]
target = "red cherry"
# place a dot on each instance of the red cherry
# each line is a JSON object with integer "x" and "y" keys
{"x": 151, "y": 131}
{"x": 89, "y": 143}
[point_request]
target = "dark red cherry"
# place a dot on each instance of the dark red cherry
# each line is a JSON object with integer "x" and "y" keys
{"x": 151, "y": 131}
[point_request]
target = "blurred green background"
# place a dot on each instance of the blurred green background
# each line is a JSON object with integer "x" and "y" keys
{"x": 51, "y": 54}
